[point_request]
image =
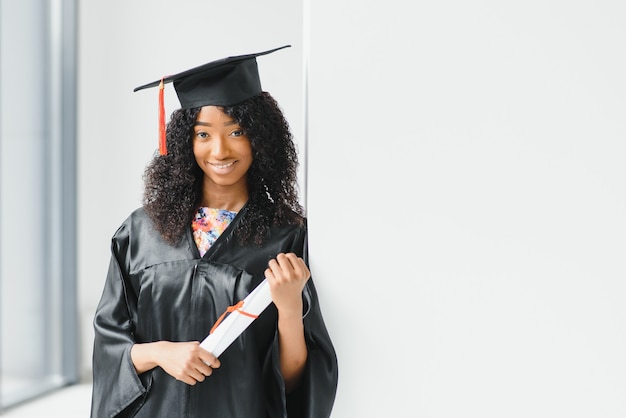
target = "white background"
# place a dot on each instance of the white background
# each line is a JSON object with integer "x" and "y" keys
{"x": 466, "y": 185}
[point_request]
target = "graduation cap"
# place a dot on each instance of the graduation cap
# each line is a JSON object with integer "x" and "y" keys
{"x": 223, "y": 82}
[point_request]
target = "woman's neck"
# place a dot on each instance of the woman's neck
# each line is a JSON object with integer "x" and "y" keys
{"x": 225, "y": 201}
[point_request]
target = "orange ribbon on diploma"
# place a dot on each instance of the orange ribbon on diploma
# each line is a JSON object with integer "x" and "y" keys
{"x": 228, "y": 328}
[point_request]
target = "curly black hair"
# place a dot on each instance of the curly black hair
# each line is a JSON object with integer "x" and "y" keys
{"x": 173, "y": 182}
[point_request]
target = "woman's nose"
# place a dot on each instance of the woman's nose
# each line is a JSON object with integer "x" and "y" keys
{"x": 219, "y": 147}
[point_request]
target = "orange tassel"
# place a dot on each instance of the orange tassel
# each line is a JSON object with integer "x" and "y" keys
{"x": 162, "y": 143}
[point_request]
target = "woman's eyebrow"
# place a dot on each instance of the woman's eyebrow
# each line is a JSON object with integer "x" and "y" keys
{"x": 227, "y": 123}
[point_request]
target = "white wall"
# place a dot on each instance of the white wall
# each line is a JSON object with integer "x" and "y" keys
{"x": 465, "y": 186}
{"x": 466, "y": 196}
{"x": 124, "y": 44}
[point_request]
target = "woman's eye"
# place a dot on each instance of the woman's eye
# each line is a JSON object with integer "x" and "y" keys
{"x": 238, "y": 133}
{"x": 202, "y": 135}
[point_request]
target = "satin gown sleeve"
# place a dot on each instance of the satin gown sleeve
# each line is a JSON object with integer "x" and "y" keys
{"x": 315, "y": 395}
{"x": 118, "y": 386}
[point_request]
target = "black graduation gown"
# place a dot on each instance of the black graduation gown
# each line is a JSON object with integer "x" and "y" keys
{"x": 155, "y": 291}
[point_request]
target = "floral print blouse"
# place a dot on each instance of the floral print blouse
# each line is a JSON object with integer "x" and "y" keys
{"x": 208, "y": 225}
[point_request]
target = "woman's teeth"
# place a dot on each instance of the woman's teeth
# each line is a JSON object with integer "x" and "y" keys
{"x": 222, "y": 165}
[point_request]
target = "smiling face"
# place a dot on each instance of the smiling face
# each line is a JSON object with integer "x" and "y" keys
{"x": 223, "y": 152}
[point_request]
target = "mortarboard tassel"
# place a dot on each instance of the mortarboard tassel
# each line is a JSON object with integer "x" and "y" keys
{"x": 162, "y": 143}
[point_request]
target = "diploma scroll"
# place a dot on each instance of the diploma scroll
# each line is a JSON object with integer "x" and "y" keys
{"x": 241, "y": 316}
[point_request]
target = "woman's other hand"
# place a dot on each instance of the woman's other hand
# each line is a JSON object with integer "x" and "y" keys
{"x": 184, "y": 361}
{"x": 287, "y": 274}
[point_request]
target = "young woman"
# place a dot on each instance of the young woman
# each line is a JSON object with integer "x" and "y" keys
{"x": 220, "y": 214}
